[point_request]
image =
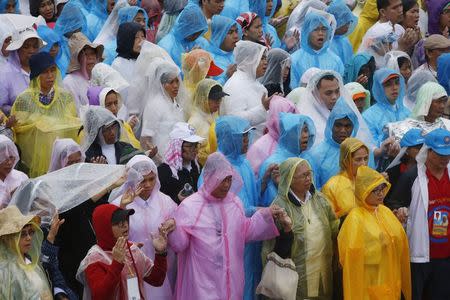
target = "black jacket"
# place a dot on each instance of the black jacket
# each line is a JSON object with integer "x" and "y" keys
{"x": 124, "y": 152}
{"x": 401, "y": 194}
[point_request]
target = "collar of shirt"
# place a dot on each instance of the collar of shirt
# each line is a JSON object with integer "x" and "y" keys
{"x": 308, "y": 195}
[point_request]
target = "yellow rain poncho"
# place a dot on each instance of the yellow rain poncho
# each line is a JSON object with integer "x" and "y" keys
{"x": 38, "y": 125}
{"x": 340, "y": 189}
{"x": 201, "y": 118}
{"x": 373, "y": 247}
{"x": 287, "y": 6}
{"x": 20, "y": 280}
{"x": 368, "y": 17}
{"x": 315, "y": 228}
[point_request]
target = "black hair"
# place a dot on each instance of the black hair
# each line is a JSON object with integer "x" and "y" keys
{"x": 329, "y": 77}
{"x": 408, "y": 4}
{"x": 382, "y": 4}
{"x": 402, "y": 60}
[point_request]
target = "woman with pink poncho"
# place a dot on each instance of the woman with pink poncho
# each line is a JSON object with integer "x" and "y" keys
{"x": 211, "y": 234}
{"x": 266, "y": 145}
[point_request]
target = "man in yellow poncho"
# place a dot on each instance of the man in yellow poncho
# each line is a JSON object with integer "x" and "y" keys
{"x": 314, "y": 230}
{"x": 340, "y": 189}
{"x": 44, "y": 112}
{"x": 373, "y": 247}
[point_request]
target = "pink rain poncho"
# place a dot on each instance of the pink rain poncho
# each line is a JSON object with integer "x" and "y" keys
{"x": 266, "y": 145}
{"x": 211, "y": 234}
{"x": 148, "y": 216}
{"x": 14, "y": 178}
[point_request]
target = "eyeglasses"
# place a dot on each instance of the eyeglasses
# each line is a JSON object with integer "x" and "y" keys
{"x": 26, "y": 233}
{"x": 321, "y": 29}
{"x": 304, "y": 176}
{"x": 379, "y": 190}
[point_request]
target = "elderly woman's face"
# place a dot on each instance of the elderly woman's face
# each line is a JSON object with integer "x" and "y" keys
{"x": 6, "y": 166}
{"x": 29, "y": 47}
{"x": 302, "y": 178}
{"x": 26, "y": 239}
{"x": 223, "y": 188}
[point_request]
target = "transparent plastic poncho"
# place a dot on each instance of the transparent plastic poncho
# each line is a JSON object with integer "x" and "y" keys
{"x": 415, "y": 82}
{"x": 427, "y": 93}
{"x": 62, "y": 149}
{"x": 312, "y": 247}
{"x": 39, "y": 125}
{"x": 64, "y": 189}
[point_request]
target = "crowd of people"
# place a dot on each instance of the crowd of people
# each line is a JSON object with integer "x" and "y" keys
{"x": 225, "y": 149}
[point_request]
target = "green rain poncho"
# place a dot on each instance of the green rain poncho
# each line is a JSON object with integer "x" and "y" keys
{"x": 312, "y": 247}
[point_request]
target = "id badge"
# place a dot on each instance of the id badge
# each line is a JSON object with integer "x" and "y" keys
{"x": 440, "y": 224}
{"x": 133, "y": 289}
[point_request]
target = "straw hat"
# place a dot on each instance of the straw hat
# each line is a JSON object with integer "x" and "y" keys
{"x": 12, "y": 220}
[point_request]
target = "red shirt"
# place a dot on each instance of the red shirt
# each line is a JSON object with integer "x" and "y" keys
{"x": 438, "y": 215}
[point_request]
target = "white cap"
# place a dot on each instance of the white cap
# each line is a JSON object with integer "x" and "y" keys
{"x": 19, "y": 37}
{"x": 185, "y": 132}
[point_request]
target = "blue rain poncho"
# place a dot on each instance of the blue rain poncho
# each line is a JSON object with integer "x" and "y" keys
{"x": 259, "y": 7}
{"x": 128, "y": 13}
{"x": 49, "y": 36}
{"x": 229, "y": 132}
{"x": 220, "y": 26}
{"x": 190, "y": 21}
{"x": 233, "y": 8}
{"x": 96, "y": 18}
{"x": 383, "y": 112}
{"x": 3, "y": 4}
{"x": 340, "y": 44}
{"x": 354, "y": 66}
{"x": 326, "y": 154}
{"x": 306, "y": 57}
{"x": 443, "y": 71}
{"x": 291, "y": 126}
{"x": 71, "y": 19}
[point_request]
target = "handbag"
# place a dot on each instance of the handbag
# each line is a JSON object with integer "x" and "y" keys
{"x": 279, "y": 279}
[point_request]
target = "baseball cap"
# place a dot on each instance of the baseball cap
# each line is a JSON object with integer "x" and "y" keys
{"x": 394, "y": 75}
{"x": 121, "y": 215}
{"x": 439, "y": 141}
{"x": 185, "y": 132}
{"x": 217, "y": 93}
{"x": 19, "y": 37}
{"x": 436, "y": 41}
{"x": 412, "y": 137}
{"x": 40, "y": 62}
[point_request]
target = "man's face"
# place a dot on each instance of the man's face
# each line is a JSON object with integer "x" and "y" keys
{"x": 329, "y": 92}
{"x": 342, "y": 129}
{"x": 214, "y": 7}
{"x": 254, "y": 33}
{"x": 394, "y": 12}
{"x": 392, "y": 89}
{"x": 230, "y": 40}
{"x": 317, "y": 37}
{"x": 437, "y": 161}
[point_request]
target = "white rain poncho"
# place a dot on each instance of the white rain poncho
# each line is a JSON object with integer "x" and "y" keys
{"x": 148, "y": 216}
{"x": 5, "y": 32}
{"x": 64, "y": 189}
{"x": 391, "y": 59}
{"x": 312, "y": 106}
{"x": 415, "y": 82}
{"x": 378, "y": 41}
{"x": 94, "y": 119}
{"x": 427, "y": 93}
{"x": 62, "y": 149}
{"x": 160, "y": 111}
{"x": 244, "y": 89}
{"x": 14, "y": 178}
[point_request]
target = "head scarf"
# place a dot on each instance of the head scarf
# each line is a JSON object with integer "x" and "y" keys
{"x": 62, "y": 149}
{"x": 246, "y": 19}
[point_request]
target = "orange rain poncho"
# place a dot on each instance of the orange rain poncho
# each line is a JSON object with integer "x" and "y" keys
{"x": 373, "y": 247}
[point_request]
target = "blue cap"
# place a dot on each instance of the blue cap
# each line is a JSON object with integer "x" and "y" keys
{"x": 40, "y": 62}
{"x": 413, "y": 137}
{"x": 439, "y": 141}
